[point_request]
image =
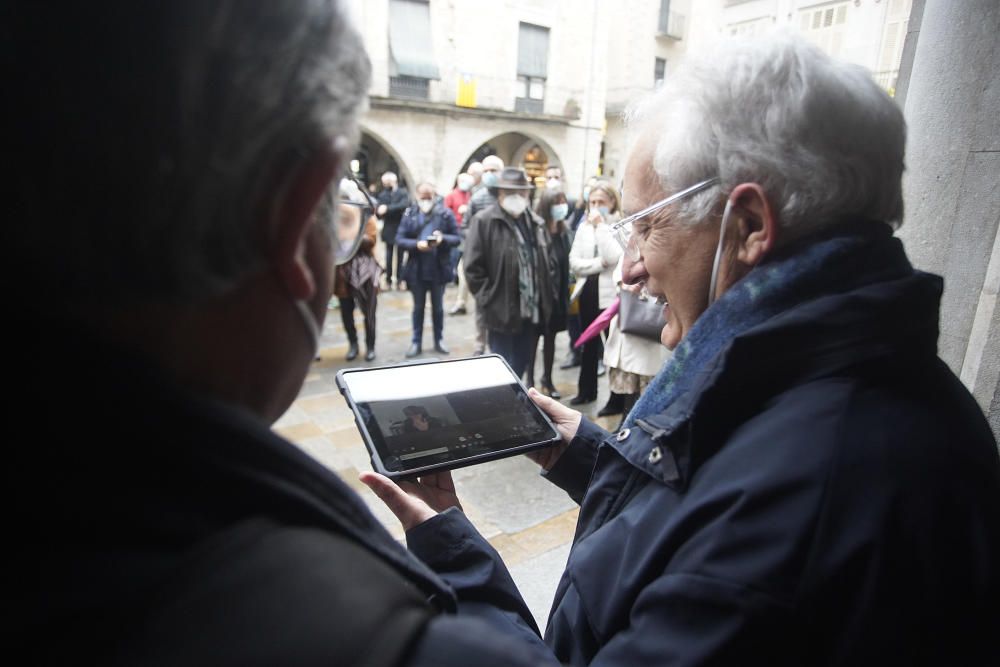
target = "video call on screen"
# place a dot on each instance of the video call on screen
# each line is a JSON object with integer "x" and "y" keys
{"x": 424, "y": 430}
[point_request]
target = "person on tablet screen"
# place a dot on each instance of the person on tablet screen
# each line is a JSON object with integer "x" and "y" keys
{"x": 169, "y": 161}
{"x": 418, "y": 421}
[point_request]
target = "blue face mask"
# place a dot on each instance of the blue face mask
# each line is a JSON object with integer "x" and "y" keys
{"x": 559, "y": 211}
{"x": 490, "y": 179}
{"x": 604, "y": 211}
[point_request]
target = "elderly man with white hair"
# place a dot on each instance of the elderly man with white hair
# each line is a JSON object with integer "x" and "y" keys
{"x": 804, "y": 482}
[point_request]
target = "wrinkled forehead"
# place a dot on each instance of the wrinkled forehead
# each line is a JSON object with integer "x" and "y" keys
{"x": 640, "y": 185}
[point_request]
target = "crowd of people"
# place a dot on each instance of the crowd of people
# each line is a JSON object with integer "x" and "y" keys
{"x": 528, "y": 260}
{"x": 804, "y": 481}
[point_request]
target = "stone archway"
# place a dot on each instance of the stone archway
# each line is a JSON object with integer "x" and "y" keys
{"x": 376, "y": 156}
{"x": 518, "y": 149}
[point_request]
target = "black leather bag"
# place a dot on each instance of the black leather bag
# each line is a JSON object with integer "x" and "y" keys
{"x": 639, "y": 316}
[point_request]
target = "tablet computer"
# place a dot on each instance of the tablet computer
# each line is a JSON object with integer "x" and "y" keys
{"x": 421, "y": 417}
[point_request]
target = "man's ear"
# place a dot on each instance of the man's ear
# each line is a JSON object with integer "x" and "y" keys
{"x": 292, "y": 217}
{"x": 756, "y": 225}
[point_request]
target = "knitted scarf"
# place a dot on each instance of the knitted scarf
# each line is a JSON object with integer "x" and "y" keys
{"x": 850, "y": 257}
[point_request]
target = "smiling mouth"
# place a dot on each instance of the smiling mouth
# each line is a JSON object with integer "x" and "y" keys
{"x": 662, "y": 300}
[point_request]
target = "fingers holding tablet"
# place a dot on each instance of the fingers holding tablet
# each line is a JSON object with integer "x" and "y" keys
{"x": 414, "y": 502}
{"x": 566, "y": 420}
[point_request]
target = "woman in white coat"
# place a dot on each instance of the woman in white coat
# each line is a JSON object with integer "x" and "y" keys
{"x": 594, "y": 255}
{"x": 632, "y": 360}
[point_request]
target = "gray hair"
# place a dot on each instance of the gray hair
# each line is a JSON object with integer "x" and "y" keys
{"x": 179, "y": 124}
{"x": 822, "y": 139}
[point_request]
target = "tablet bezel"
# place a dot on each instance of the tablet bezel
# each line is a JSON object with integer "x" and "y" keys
{"x": 376, "y": 457}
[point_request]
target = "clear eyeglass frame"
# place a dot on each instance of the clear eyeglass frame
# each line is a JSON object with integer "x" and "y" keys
{"x": 622, "y": 230}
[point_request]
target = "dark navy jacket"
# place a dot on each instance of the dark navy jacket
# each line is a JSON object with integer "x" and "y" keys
{"x": 150, "y": 525}
{"x": 435, "y": 265}
{"x": 829, "y": 493}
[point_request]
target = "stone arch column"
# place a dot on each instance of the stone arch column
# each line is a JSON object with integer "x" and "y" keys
{"x": 951, "y": 194}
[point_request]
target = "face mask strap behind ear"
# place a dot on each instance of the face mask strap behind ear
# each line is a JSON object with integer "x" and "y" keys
{"x": 718, "y": 252}
{"x": 309, "y": 322}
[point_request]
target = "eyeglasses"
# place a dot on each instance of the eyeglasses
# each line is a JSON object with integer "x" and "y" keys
{"x": 622, "y": 230}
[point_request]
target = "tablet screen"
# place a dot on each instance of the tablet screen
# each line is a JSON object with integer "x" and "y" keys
{"x": 442, "y": 413}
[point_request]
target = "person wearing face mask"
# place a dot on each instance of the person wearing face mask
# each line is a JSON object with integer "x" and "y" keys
{"x": 805, "y": 481}
{"x": 188, "y": 530}
{"x": 468, "y": 181}
{"x": 507, "y": 266}
{"x": 554, "y": 181}
{"x": 392, "y": 202}
{"x": 484, "y": 195}
{"x": 357, "y": 280}
{"x": 552, "y": 208}
{"x": 427, "y": 232}
{"x": 593, "y": 257}
{"x": 458, "y": 199}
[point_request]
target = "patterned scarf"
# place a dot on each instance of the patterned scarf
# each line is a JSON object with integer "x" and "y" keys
{"x": 852, "y": 256}
{"x": 526, "y": 269}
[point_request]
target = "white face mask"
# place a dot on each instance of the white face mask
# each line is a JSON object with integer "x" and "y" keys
{"x": 425, "y": 205}
{"x": 514, "y": 204}
{"x": 553, "y": 183}
{"x": 312, "y": 327}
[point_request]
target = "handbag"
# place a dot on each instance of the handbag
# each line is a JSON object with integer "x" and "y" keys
{"x": 640, "y": 316}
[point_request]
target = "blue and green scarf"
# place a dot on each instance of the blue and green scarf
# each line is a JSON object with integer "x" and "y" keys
{"x": 850, "y": 257}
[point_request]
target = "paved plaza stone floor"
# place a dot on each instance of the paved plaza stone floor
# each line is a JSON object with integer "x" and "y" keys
{"x": 529, "y": 521}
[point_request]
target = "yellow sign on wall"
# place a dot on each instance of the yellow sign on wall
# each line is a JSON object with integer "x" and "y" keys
{"x": 466, "y": 95}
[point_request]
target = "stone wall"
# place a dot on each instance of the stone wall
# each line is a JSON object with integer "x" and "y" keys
{"x": 953, "y": 170}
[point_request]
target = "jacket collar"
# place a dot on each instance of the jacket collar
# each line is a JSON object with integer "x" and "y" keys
{"x": 893, "y": 323}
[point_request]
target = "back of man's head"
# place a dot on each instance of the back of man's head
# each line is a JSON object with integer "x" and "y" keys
{"x": 492, "y": 163}
{"x": 152, "y": 139}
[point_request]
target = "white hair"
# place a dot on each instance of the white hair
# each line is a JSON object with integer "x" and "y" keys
{"x": 492, "y": 162}
{"x": 176, "y": 150}
{"x": 822, "y": 139}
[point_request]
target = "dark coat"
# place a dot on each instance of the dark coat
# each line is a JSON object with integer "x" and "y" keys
{"x": 396, "y": 202}
{"x": 166, "y": 528}
{"x": 561, "y": 244}
{"x": 829, "y": 493}
{"x": 492, "y": 264}
{"x": 417, "y": 227}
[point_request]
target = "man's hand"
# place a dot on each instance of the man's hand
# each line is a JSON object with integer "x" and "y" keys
{"x": 567, "y": 422}
{"x": 380, "y": 211}
{"x": 423, "y": 246}
{"x": 414, "y": 502}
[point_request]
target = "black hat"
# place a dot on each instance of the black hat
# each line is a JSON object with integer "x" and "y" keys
{"x": 512, "y": 178}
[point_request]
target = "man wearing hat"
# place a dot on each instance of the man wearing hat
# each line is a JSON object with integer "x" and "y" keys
{"x": 507, "y": 267}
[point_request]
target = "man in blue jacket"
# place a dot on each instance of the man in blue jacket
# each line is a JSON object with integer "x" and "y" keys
{"x": 428, "y": 232}
{"x": 805, "y": 481}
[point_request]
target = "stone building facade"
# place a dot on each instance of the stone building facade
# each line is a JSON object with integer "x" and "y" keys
{"x": 456, "y": 80}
